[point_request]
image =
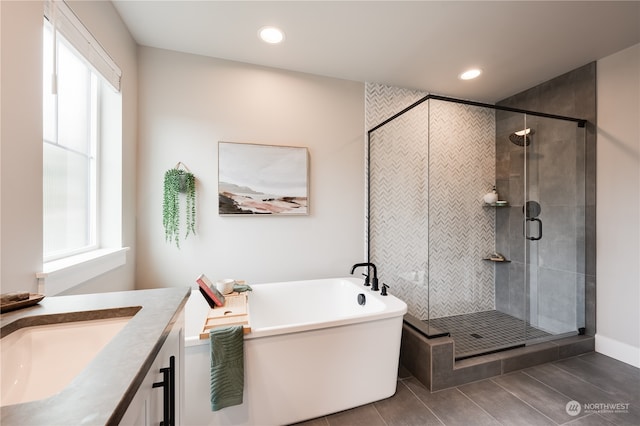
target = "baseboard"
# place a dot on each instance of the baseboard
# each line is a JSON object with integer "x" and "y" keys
{"x": 618, "y": 350}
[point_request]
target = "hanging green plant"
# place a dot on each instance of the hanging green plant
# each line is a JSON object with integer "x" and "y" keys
{"x": 175, "y": 182}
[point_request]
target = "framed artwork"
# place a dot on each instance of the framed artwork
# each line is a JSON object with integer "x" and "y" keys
{"x": 262, "y": 179}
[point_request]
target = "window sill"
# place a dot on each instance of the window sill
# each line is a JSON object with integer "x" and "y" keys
{"x": 63, "y": 274}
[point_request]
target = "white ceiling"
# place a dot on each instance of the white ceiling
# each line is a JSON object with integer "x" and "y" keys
{"x": 416, "y": 44}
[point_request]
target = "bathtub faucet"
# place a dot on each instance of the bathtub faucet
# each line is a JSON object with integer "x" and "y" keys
{"x": 374, "y": 280}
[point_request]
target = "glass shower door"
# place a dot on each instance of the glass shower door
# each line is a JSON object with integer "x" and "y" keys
{"x": 553, "y": 223}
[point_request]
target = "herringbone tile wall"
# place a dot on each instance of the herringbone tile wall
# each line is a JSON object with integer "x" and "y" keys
{"x": 428, "y": 229}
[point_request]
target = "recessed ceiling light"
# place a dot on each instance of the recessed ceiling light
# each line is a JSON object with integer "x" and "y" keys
{"x": 271, "y": 35}
{"x": 470, "y": 74}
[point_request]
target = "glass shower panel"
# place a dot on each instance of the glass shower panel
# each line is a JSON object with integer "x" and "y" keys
{"x": 493, "y": 275}
{"x": 398, "y": 229}
{"x": 554, "y": 226}
{"x": 462, "y": 169}
{"x": 511, "y": 296}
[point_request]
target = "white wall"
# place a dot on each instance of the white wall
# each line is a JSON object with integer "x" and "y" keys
{"x": 618, "y": 206}
{"x": 21, "y": 144}
{"x": 21, "y": 139}
{"x": 187, "y": 104}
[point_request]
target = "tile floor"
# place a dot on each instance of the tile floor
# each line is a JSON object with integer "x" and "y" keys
{"x": 484, "y": 331}
{"x": 534, "y": 396}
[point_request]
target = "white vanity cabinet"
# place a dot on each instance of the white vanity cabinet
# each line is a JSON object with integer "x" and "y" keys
{"x": 160, "y": 398}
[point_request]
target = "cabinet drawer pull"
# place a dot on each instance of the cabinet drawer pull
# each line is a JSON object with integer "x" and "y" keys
{"x": 168, "y": 385}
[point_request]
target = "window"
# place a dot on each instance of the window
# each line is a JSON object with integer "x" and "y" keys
{"x": 82, "y": 155}
{"x": 70, "y": 136}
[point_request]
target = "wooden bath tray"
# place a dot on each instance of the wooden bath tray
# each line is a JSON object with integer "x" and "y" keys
{"x": 234, "y": 312}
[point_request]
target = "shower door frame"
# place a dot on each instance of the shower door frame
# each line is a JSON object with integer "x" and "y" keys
{"x": 581, "y": 123}
{"x": 538, "y": 261}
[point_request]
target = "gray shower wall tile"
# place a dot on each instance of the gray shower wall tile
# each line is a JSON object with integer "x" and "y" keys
{"x": 558, "y": 94}
{"x": 576, "y": 345}
{"x": 557, "y": 176}
{"x": 581, "y": 243}
{"x": 572, "y": 94}
{"x": 516, "y": 176}
{"x": 528, "y": 99}
{"x": 557, "y": 301}
{"x": 502, "y": 287}
{"x": 516, "y": 227}
{"x": 590, "y": 305}
{"x": 517, "y": 291}
{"x": 581, "y": 300}
{"x": 415, "y": 354}
{"x": 503, "y": 161}
{"x": 585, "y": 92}
{"x": 502, "y": 231}
{"x": 558, "y": 248}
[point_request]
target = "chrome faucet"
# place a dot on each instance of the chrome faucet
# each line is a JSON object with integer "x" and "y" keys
{"x": 374, "y": 280}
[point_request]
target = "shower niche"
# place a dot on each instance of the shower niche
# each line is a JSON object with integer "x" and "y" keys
{"x": 490, "y": 277}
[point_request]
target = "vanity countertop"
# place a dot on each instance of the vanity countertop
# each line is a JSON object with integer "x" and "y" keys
{"x": 102, "y": 392}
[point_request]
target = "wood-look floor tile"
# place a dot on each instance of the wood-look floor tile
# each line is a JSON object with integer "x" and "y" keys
{"x": 320, "y": 421}
{"x": 581, "y": 389}
{"x": 590, "y": 420}
{"x": 548, "y": 401}
{"x": 607, "y": 373}
{"x": 502, "y": 405}
{"x": 365, "y": 415}
{"x": 451, "y": 406}
{"x": 535, "y": 396}
{"x": 404, "y": 408}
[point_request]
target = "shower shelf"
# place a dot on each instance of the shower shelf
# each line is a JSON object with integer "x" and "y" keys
{"x": 496, "y": 205}
{"x": 489, "y": 259}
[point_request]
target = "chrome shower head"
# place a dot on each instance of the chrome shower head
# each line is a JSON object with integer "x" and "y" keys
{"x": 522, "y": 137}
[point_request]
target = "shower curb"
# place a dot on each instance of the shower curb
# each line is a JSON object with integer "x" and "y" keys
{"x": 432, "y": 361}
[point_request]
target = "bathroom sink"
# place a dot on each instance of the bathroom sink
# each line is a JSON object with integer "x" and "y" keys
{"x": 39, "y": 361}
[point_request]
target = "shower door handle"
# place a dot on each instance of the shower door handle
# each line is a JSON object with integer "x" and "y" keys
{"x": 533, "y": 219}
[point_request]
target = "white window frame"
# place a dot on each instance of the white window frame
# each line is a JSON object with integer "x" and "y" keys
{"x": 60, "y": 275}
{"x": 92, "y": 158}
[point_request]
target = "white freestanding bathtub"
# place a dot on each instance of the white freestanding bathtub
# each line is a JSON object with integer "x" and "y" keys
{"x": 313, "y": 350}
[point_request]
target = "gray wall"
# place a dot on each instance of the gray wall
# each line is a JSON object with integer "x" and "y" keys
{"x": 563, "y": 262}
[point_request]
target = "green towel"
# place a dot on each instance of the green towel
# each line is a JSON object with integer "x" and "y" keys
{"x": 227, "y": 366}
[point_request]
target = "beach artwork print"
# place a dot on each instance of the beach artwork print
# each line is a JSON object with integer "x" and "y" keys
{"x": 262, "y": 179}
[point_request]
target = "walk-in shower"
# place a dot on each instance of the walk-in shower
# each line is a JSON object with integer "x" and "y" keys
{"x": 493, "y": 276}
